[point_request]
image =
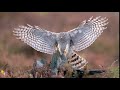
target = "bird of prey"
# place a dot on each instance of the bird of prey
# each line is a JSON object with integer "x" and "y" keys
{"x": 66, "y": 43}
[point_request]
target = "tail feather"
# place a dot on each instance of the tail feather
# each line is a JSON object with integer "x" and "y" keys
{"x": 76, "y": 61}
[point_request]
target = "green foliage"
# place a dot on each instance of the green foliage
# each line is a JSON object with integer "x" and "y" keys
{"x": 113, "y": 72}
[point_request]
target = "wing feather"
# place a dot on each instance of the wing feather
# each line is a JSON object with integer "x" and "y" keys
{"x": 39, "y": 39}
{"x": 86, "y": 33}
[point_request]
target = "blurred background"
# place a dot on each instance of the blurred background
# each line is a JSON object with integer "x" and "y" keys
{"x": 15, "y": 53}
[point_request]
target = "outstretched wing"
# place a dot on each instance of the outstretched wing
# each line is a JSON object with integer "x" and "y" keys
{"x": 39, "y": 39}
{"x": 85, "y": 34}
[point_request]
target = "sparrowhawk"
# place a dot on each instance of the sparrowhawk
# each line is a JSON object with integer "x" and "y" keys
{"x": 66, "y": 43}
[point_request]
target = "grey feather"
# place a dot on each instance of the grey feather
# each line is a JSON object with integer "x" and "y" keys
{"x": 39, "y": 39}
{"x": 86, "y": 33}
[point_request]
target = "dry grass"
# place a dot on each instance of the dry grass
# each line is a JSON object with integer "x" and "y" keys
{"x": 65, "y": 72}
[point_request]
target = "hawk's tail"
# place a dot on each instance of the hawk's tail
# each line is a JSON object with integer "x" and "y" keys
{"x": 76, "y": 61}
